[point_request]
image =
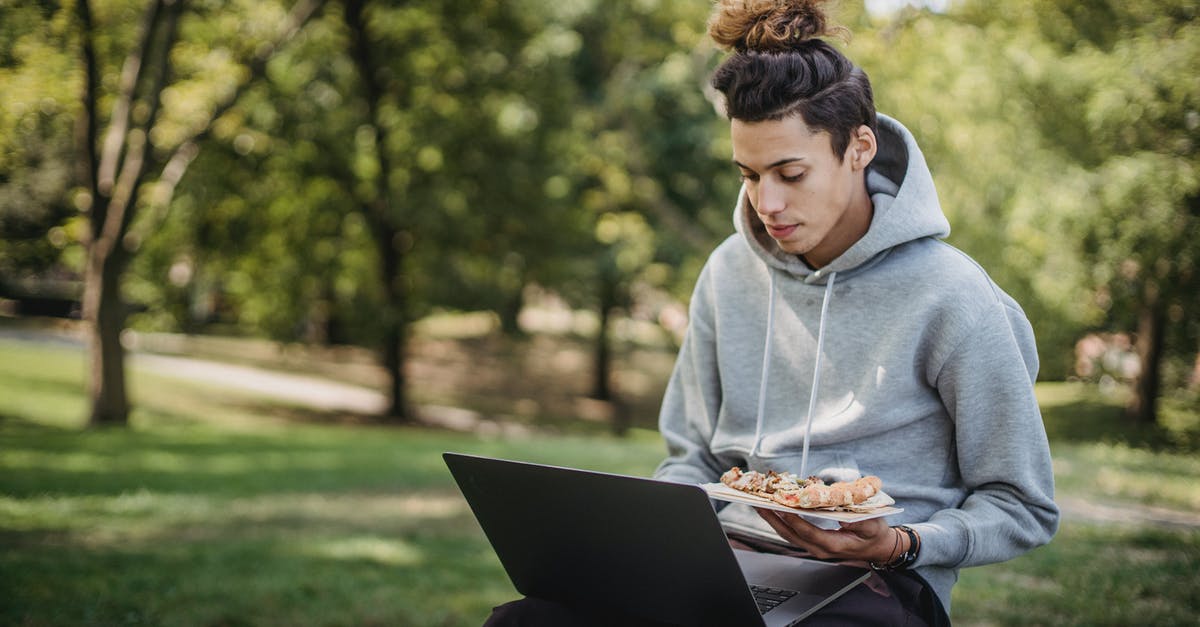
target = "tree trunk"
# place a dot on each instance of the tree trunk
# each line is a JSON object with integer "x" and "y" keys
{"x": 114, "y": 183}
{"x": 106, "y": 372}
{"x": 395, "y": 350}
{"x": 601, "y": 390}
{"x": 104, "y": 309}
{"x": 510, "y": 313}
{"x": 391, "y": 239}
{"x": 602, "y": 386}
{"x": 395, "y": 332}
{"x": 1143, "y": 406}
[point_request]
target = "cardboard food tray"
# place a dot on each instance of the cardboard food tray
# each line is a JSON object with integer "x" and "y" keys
{"x": 723, "y": 492}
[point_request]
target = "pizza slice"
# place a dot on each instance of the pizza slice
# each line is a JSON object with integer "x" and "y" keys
{"x": 811, "y": 493}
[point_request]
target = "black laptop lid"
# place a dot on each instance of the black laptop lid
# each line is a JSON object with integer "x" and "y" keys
{"x": 646, "y": 547}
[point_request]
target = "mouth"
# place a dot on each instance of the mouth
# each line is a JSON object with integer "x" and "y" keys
{"x": 781, "y": 231}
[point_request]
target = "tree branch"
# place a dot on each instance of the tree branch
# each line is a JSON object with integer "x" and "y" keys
{"x": 177, "y": 164}
{"x": 299, "y": 16}
{"x": 91, "y": 87}
{"x": 118, "y": 126}
{"x": 138, "y": 145}
{"x": 363, "y": 58}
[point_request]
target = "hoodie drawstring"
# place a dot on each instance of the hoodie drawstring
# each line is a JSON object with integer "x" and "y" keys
{"x": 766, "y": 365}
{"x": 816, "y": 381}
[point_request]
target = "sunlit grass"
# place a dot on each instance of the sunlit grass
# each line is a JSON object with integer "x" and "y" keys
{"x": 1100, "y": 455}
{"x": 1108, "y": 472}
{"x": 221, "y": 509}
{"x": 1089, "y": 575}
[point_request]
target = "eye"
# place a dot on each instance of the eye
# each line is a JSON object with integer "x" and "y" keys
{"x": 794, "y": 178}
{"x": 749, "y": 177}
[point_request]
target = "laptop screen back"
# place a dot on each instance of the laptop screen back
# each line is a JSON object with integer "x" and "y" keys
{"x": 592, "y": 539}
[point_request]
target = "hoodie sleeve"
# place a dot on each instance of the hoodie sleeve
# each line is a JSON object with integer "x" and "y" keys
{"x": 692, "y": 400}
{"x": 986, "y": 384}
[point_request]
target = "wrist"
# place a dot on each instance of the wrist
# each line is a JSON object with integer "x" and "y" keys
{"x": 907, "y": 545}
{"x": 888, "y": 546}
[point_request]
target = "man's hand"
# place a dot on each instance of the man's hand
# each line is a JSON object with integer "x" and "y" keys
{"x": 867, "y": 540}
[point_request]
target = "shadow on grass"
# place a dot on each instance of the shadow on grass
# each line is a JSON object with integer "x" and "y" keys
{"x": 47, "y": 460}
{"x": 293, "y": 577}
{"x": 182, "y": 457}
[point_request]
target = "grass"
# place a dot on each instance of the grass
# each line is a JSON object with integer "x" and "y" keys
{"x": 217, "y": 509}
{"x": 1090, "y": 574}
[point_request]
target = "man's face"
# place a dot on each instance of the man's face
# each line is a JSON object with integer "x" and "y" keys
{"x": 810, "y": 202}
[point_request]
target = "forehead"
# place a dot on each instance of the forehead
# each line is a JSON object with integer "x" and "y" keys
{"x": 760, "y": 144}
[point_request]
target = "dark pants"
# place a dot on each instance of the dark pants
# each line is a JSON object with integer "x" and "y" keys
{"x": 533, "y": 612}
{"x": 898, "y": 598}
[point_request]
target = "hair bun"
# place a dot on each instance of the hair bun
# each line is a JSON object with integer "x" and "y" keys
{"x": 768, "y": 25}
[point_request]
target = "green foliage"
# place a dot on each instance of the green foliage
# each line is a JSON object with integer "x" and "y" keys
{"x": 530, "y": 123}
{"x": 1116, "y": 106}
{"x": 649, "y": 143}
{"x": 1140, "y": 108}
{"x": 952, "y": 83}
{"x": 37, "y": 213}
{"x": 1062, "y": 139}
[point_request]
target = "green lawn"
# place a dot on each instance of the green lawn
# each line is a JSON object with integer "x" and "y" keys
{"x": 210, "y": 511}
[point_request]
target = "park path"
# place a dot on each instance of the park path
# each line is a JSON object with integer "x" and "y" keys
{"x": 306, "y": 390}
{"x": 323, "y": 394}
{"x": 313, "y": 392}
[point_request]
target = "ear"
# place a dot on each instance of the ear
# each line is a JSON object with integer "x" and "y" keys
{"x": 862, "y": 148}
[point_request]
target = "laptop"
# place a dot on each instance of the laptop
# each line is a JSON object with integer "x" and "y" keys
{"x": 643, "y": 547}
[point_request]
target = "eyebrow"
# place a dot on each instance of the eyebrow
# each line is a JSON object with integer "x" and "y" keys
{"x": 783, "y": 161}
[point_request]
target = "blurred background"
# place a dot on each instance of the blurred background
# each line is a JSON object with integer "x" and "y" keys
{"x": 292, "y": 250}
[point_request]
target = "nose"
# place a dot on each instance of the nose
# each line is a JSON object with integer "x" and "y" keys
{"x": 771, "y": 199}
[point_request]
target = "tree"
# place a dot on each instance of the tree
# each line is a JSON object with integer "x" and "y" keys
{"x": 1119, "y": 107}
{"x": 957, "y": 84}
{"x": 1062, "y": 138}
{"x": 452, "y": 159}
{"x": 649, "y": 170}
{"x": 119, "y": 166}
{"x": 386, "y": 225}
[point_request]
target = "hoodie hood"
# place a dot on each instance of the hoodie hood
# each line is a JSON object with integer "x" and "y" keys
{"x": 905, "y": 202}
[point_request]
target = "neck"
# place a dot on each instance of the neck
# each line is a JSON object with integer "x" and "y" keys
{"x": 849, "y": 229}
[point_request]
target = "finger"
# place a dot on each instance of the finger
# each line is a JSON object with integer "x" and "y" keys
{"x": 793, "y": 521}
{"x": 866, "y": 529}
{"x": 782, "y": 528}
{"x": 796, "y": 531}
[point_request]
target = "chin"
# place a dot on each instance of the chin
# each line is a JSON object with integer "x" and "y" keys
{"x": 792, "y": 248}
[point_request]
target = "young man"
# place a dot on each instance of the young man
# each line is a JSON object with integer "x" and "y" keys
{"x": 835, "y": 334}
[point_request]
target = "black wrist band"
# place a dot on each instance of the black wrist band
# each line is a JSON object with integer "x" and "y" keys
{"x": 906, "y": 558}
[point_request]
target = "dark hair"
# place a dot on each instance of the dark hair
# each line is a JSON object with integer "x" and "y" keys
{"x": 780, "y": 68}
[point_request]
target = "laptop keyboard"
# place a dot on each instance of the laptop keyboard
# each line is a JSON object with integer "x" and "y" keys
{"x": 768, "y": 598}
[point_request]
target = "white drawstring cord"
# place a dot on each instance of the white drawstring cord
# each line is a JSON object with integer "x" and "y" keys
{"x": 762, "y": 386}
{"x": 812, "y": 398}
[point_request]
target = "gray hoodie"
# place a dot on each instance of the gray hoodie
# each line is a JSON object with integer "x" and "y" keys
{"x": 901, "y": 359}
